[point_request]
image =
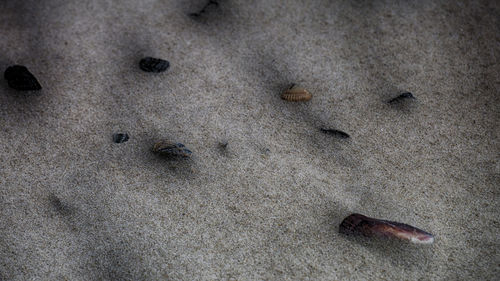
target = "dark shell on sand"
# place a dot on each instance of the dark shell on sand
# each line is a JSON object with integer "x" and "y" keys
{"x": 357, "y": 224}
{"x": 337, "y": 133}
{"x": 403, "y": 96}
{"x": 168, "y": 148}
{"x": 150, "y": 64}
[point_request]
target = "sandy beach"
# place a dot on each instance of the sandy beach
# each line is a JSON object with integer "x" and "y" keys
{"x": 264, "y": 191}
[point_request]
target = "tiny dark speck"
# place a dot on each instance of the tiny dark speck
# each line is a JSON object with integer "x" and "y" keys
{"x": 156, "y": 65}
{"x": 119, "y": 137}
{"x": 59, "y": 206}
{"x": 335, "y": 132}
{"x": 19, "y": 78}
{"x": 223, "y": 144}
{"x": 403, "y": 96}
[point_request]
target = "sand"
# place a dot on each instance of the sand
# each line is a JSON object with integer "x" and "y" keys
{"x": 76, "y": 206}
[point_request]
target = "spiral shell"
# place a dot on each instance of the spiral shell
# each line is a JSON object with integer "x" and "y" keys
{"x": 296, "y": 93}
{"x": 171, "y": 149}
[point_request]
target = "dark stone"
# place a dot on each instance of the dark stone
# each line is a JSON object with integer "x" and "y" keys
{"x": 150, "y": 64}
{"x": 119, "y": 137}
{"x": 18, "y": 77}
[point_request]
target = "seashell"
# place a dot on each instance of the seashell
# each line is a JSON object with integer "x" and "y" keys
{"x": 18, "y": 77}
{"x": 357, "y": 224}
{"x": 403, "y": 96}
{"x": 296, "y": 93}
{"x": 171, "y": 149}
{"x": 150, "y": 64}
{"x": 335, "y": 132}
{"x": 120, "y": 138}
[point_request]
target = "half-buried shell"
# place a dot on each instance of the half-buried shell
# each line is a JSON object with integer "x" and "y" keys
{"x": 296, "y": 93}
{"x": 168, "y": 148}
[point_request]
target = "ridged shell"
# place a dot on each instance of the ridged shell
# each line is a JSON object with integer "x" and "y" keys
{"x": 362, "y": 225}
{"x": 296, "y": 94}
{"x": 171, "y": 149}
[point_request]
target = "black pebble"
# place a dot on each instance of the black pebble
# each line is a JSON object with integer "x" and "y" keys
{"x": 18, "y": 77}
{"x": 119, "y": 138}
{"x": 150, "y": 64}
{"x": 337, "y": 133}
{"x": 403, "y": 96}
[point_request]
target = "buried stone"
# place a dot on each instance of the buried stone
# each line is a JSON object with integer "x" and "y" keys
{"x": 150, "y": 64}
{"x": 18, "y": 77}
{"x": 357, "y": 224}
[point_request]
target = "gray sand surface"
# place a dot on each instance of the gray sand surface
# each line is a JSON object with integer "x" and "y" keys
{"x": 76, "y": 206}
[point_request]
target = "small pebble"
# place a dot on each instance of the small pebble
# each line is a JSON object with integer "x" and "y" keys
{"x": 168, "y": 148}
{"x": 336, "y": 133}
{"x": 296, "y": 93}
{"x": 18, "y": 77}
{"x": 150, "y": 64}
{"x": 403, "y": 96}
{"x": 357, "y": 224}
{"x": 120, "y": 137}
